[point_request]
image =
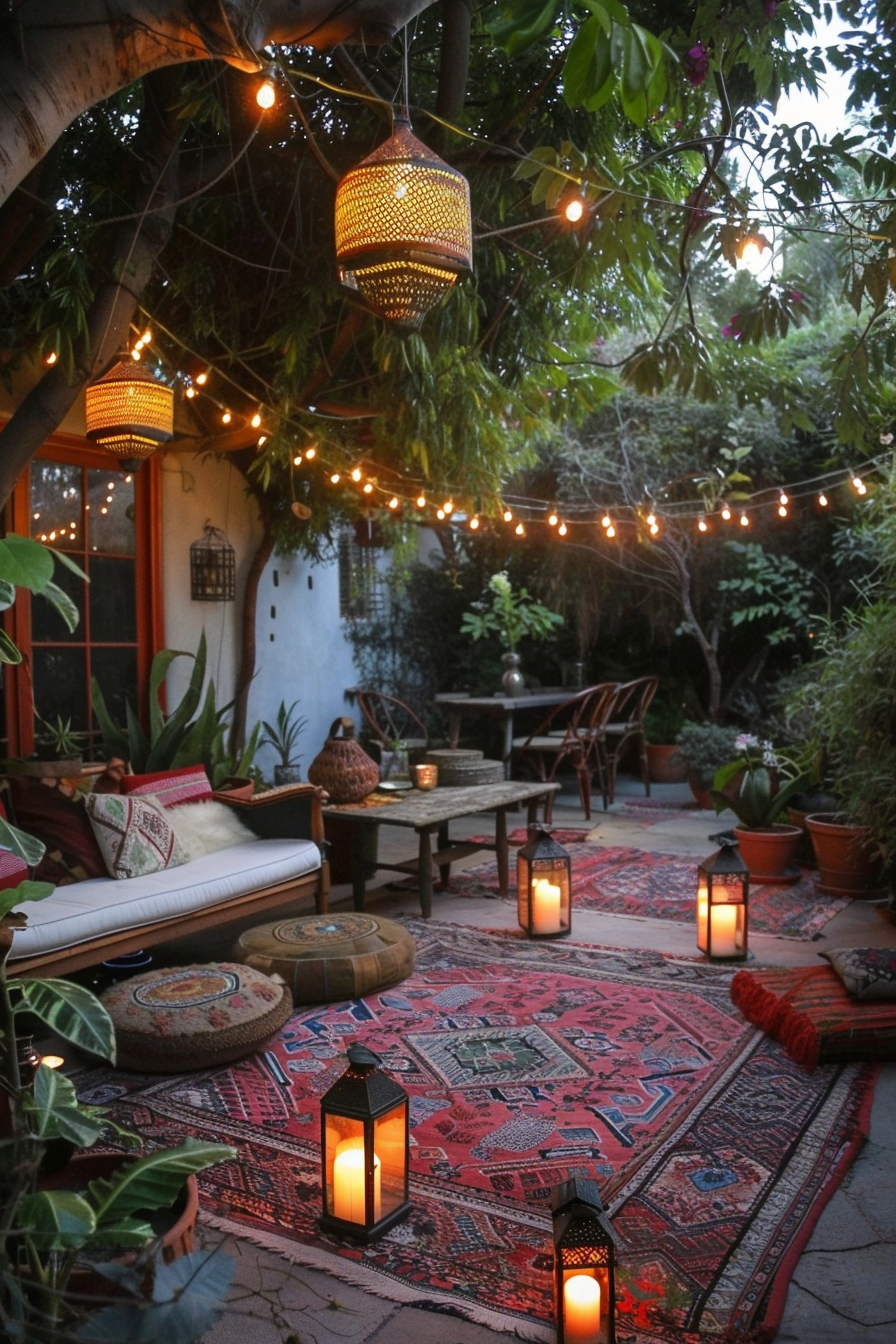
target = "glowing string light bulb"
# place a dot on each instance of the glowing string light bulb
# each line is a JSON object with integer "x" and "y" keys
{"x": 474, "y": 523}
{"x": 421, "y": 501}
{"x": 310, "y": 453}
{"x": 356, "y": 474}
{"x": 393, "y": 502}
{"x": 368, "y": 488}
{"x": 553, "y": 520}
{"x": 335, "y": 478}
{"x": 520, "y": 530}
{"x": 701, "y": 523}
{"x": 858, "y": 484}
{"x": 562, "y": 530}
{"x": 611, "y": 531}
{"x": 266, "y": 93}
{"x": 255, "y": 422}
{"x": 226, "y": 418}
{"x": 725, "y": 512}
{"x": 823, "y": 500}
{"x": 744, "y": 520}
{"x": 440, "y": 514}
{"x": 508, "y": 516}
{"x": 606, "y": 521}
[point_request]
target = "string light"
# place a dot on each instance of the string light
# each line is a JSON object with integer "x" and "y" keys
{"x": 702, "y": 525}
{"x": 520, "y": 530}
{"x": 440, "y": 514}
{"x": 448, "y": 506}
{"x": 335, "y": 478}
{"x": 611, "y": 531}
{"x": 202, "y": 378}
{"x": 744, "y": 520}
{"x": 50, "y": 358}
{"x": 266, "y": 93}
{"x": 310, "y": 453}
{"x": 823, "y": 500}
{"x": 393, "y": 502}
{"x": 606, "y": 521}
{"x": 725, "y": 512}
{"x": 255, "y": 422}
{"x": 508, "y": 515}
{"x": 553, "y": 520}
{"x": 858, "y": 484}
{"x": 573, "y": 208}
{"x": 562, "y": 530}
{"x": 356, "y": 474}
{"x": 421, "y": 501}
{"x": 368, "y": 488}
{"x": 226, "y": 418}
{"x": 474, "y": 523}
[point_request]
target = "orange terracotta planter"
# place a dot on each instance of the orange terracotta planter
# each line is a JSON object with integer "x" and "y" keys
{"x": 845, "y": 865}
{"x": 770, "y": 852}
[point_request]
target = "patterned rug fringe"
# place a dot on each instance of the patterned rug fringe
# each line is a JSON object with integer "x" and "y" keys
{"x": 323, "y": 1260}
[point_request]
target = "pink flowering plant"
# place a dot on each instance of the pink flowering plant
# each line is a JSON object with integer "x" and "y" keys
{"x": 770, "y": 779}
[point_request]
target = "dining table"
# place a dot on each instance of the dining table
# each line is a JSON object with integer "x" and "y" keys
{"x": 457, "y": 705}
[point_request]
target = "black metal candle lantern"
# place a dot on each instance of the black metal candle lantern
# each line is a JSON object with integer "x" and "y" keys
{"x": 544, "y": 886}
{"x": 584, "y": 1265}
{"x": 722, "y": 886}
{"x": 364, "y": 1150}
{"x": 212, "y": 568}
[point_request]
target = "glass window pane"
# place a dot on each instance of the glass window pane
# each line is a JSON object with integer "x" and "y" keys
{"x": 56, "y": 504}
{"x": 110, "y": 497}
{"x": 113, "y": 614}
{"x": 116, "y": 672}
{"x": 47, "y": 624}
{"x": 60, "y": 685}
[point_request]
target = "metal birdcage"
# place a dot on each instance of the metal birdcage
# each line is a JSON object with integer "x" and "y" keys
{"x": 403, "y": 228}
{"x": 129, "y": 412}
{"x": 212, "y": 568}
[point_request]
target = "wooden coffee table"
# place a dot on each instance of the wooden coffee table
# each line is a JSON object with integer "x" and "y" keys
{"x": 428, "y": 813}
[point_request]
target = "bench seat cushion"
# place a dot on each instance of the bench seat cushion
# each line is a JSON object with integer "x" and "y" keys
{"x": 101, "y": 906}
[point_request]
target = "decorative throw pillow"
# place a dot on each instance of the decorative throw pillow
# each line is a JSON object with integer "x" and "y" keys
{"x": 190, "y": 784}
{"x": 134, "y": 835}
{"x": 204, "y": 828}
{"x": 62, "y": 824}
{"x": 866, "y": 972}
{"x": 13, "y": 870}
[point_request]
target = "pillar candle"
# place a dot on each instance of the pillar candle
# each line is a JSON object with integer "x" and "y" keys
{"x": 545, "y": 907}
{"x": 348, "y": 1183}
{"x": 724, "y": 930}
{"x": 581, "y": 1310}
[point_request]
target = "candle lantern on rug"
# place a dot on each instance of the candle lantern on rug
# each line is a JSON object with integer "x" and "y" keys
{"x": 544, "y": 886}
{"x": 364, "y": 1150}
{"x": 722, "y": 886}
{"x": 584, "y": 1265}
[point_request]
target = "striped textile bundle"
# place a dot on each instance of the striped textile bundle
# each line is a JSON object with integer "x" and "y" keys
{"x": 814, "y": 1017}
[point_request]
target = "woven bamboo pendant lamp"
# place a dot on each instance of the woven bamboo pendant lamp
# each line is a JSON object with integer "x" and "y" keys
{"x": 129, "y": 412}
{"x": 403, "y": 228}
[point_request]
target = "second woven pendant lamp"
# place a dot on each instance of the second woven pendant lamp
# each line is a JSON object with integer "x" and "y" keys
{"x": 403, "y": 228}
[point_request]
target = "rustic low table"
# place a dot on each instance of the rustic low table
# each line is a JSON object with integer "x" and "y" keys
{"x": 428, "y": 813}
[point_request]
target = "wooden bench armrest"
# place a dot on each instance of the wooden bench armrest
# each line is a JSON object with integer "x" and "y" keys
{"x": 292, "y": 812}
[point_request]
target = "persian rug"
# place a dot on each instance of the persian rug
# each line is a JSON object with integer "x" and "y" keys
{"x": 622, "y": 880}
{"x": 527, "y": 1064}
{"x": 813, "y": 1015}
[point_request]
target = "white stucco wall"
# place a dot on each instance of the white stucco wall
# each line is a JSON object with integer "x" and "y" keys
{"x": 302, "y": 653}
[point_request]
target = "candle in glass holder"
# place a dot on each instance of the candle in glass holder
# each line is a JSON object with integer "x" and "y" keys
{"x": 349, "y": 1183}
{"x": 545, "y": 906}
{"x": 52, "y": 1061}
{"x": 581, "y": 1310}
{"x": 723, "y": 930}
{"x": 426, "y": 776}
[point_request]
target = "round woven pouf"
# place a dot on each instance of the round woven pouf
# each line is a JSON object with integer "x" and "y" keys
{"x": 194, "y": 1017}
{"x": 326, "y": 957}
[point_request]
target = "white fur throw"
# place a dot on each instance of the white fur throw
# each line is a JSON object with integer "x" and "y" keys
{"x": 203, "y": 828}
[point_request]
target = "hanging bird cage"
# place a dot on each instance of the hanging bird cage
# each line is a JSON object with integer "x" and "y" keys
{"x": 129, "y": 412}
{"x": 403, "y": 228}
{"x": 212, "y": 568}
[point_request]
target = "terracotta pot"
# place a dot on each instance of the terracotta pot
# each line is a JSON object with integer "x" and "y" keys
{"x": 176, "y": 1226}
{"x": 704, "y": 797}
{"x": 845, "y": 865}
{"x": 662, "y": 766}
{"x": 770, "y": 851}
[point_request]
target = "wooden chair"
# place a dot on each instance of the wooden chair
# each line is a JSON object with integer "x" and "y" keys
{"x": 390, "y": 720}
{"x": 561, "y": 738}
{"x": 625, "y": 727}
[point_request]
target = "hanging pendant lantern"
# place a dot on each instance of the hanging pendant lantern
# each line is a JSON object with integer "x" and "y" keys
{"x": 212, "y": 568}
{"x": 129, "y": 412}
{"x": 403, "y": 228}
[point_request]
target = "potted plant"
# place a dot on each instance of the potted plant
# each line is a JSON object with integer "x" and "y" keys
{"x": 282, "y": 735}
{"x": 767, "y": 780}
{"x": 511, "y": 616}
{"x": 48, "y": 1223}
{"x": 702, "y": 748}
{"x": 662, "y": 722}
{"x": 57, "y": 750}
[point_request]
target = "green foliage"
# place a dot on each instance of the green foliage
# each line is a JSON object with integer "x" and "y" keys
{"x": 28, "y": 564}
{"x": 194, "y": 733}
{"x": 770, "y": 780}
{"x": 772, "y": 593}
{"x": 703, "y": 748}
{"x": 511, "y": 615}
{"x": 284, "y": 733}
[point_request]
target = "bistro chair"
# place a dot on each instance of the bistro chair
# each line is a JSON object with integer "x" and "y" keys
{"x": 625, "y": 728}
{"x": 390, "y": 721}
{"x": 562, "y": 738}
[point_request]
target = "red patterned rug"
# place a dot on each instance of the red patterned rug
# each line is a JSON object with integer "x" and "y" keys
{"x": 527, "y": 1064}
{"x": 620, "y": 880}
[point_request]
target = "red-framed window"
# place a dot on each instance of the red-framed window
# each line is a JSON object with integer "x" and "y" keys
{"x": 79, "y": 501}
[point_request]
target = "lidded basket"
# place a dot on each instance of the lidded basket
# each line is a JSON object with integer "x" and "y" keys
{"x": 342, "y": 766}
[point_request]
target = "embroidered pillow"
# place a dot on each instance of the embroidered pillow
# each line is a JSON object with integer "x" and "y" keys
{"x": 866, "y": 972}
{"x": 134, "y": 834}
{"x": 190, "y": 784}
{"x": 13, "y": 870}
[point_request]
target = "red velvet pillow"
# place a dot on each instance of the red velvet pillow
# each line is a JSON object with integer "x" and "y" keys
{"x": 189, "y": 784}
{"x": 64, "y": 827}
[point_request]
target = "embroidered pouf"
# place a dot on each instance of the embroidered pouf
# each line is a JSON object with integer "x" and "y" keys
{"x": 326, "y": 957}
{"x": 194, "y": 1017}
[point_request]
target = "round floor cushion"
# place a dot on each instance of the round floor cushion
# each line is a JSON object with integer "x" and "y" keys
{"x": 194, "y": 1017}
{"x": 326, "y": 957}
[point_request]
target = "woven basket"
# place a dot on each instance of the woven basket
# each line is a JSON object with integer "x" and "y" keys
{"x": 342, "y": 766}
{"x": 462, "y": 774}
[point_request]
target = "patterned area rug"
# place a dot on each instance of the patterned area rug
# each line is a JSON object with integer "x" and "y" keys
{"x": 621, "y": 880}
{"x": 527, "y": 1064}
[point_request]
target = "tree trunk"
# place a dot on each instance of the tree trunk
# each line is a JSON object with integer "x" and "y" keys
{"x": 60, "y": 57}
{"x": 248, "y": 641}
{"x": 131, "y": 264}
{"x": 454, "y": 58}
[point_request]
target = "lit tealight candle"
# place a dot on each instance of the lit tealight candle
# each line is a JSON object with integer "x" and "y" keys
{"x": 581, "y": 1310}
{"x": 348, "y": 1183}
{"x": 545, "y": 907}
{"x": 52, "y": 1061}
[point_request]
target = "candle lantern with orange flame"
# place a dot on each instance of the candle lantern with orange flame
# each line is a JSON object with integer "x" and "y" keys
{"x": 544, "y": 886}
{"x": 722, "y": 886}
{"x": 584, "y": 1265}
